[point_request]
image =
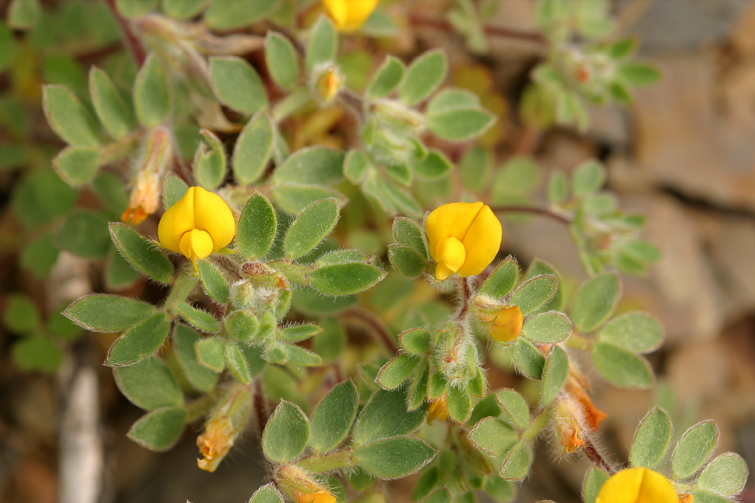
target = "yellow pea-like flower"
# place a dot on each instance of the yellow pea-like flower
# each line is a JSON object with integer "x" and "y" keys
{"x": 637, "y": 485}
{"x": 464, "y": 238}
{"x": 438, "y": 409}
{"x": 349, "y": 15}
{"x": 507, "y": 324}
{"x": 200, "y": 223}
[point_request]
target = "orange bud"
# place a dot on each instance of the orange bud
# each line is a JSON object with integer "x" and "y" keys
{"x": 507, "y": 325}
{"x": 215, "y": 443}
{"x": 329, "y": 83}
{"x": 685, "y": 498}
{"x": 592, "y": 415}
{"x": 568, "y": 426}
{"x": 321, "y": 496}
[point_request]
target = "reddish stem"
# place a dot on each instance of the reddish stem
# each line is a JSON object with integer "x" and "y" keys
{"x": 496, "y": 31}
{"x": 597, "y": 459}
{"x": 376, "y": 324}
{"x": 137, "y": 50}
{"x": 537, "y": 211}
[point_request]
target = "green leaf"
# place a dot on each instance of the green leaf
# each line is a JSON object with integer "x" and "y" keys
{"x": 111, "y": 191}
{"x": 345, "y": 279}
{"x": 310, "y": 302}
{"x": 84, "y": 233}
{"x": 232, "y": 14}
{"x": 516, "y": 179}
{"x": 330, "y": 343}
{"x": 213, "y": 282}
{"x": 151, "y": 95}
{"x": 267, "y": 494}
{"x": 594, "y": 301}
{"x": 416, "y": 340}
{"x": 651, "y": 440}
{"x": 493, "y": 436}
{"x": 515, "y": 407}
{"x": 534, "y": 293}
{"x": 639, "y": 74}
{"x": 241, "y": 325}
{"x": 636, "y": 332}
{"x": 323, "y": 43}
{"x": 253, "y": 149}
{"x": 199, "y": 319}
{"x": 699, "y": 496}
{"x": 621, "y": 367}
{"x": 517, "y": 463}
{"x": 23, "y": 14}
{"x": 538, "y": 267}
{"x": 588, "y": 178}
{"x": 694, "y": 448}
{"x": 77, "y": 165}
{"x": 210, "y": 353}
{"x": 386, "y": 79}
{"x": 408, "y": 233}
{"x": 237, "y": 364}
{"x": 547, "y": 328}
{"x": 183, "y": 10}
{"x": 438, "y": 385}
{"x": 281, "y": 60}
{"x": 499, "y": 489}
{"x": 141, "y": 253}
{"x": 419, "y": 386}
{"x": 385, "y": 416}
{"x": 160, "y": 429}
{"x": 406, "y": 261}
{"x": 460, "y": 125}
{"x": 68, "y": 117}
{"x": 37, "y": 352}
{"x": 554, "y": 374}
{"x": 355, "y": 166}
{"x": 40, "y": 256}
{"x": 286, "y": 434}
{"x": 528, "y": 359}
{"x": 475, "y": 168}
{"x": 140, "y": 341}
{"x": 395, "y": 372}
{"x": 112, "y": 111}
{"x": 200, "y": 377}
{"x": 257, "y": 226}
{"x": 311, "y": 166}
{"x": 108, "y": 313}
{"x": 210, "y": 161}
{"x": 594, "y": 480}
{"x": 294, "y": 199}
{"x": 451, "y": 99}
{"x": 310, "y": 228}
{"x": 149, "y": 384}
{"x": 726, "y": 475}
{"x": 502, "y": 280}
{"x": 440, "y": 496}
{"x": 394, "y": 458}
{"x": 300, "y": 356}
{"x": 135, "y": 8}
{"x": 459, "y": 404}
{"x": 118, "y": 272}
{"x": 423, "y": 77}
{"x": 558, "y": 188}
{"x": 237, "y": 84}
{"x": 299, "y": 332}
{"x": 21, "y": 314}
{"x": 434, "y": 166}
{"x": 333, "y": 417}
{"x": 173, "y": 190}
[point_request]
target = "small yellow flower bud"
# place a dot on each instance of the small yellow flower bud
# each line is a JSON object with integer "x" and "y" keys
{"x": 637, "y": 485}
{"x": 145, "y": 194}
{"x": 349, "y": 15}
{"x": 438, "y": 409}
{"x": 567, "y": 418}
{"x": 464, "y": 238}
{"x": 301, "y": 487}
{"x": 200, "y": 223}
{"x": 507, "y": 324}
{"x": 329, "y": 83}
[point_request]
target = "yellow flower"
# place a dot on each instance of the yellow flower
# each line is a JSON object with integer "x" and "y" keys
{"x": 200, "y": 223}
{"x": 507, "y": 325}
{"x": 329, "y": 83}
{"x": 438, "y": 409}
{"x": 320, "y": 496}
{"x": 349, "y": 15}
{"x": 464, "y": 238}
{"x": 215, "y": 443}
{"x": 637, "y": 485}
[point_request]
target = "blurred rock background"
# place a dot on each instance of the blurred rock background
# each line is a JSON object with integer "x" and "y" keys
{"x": 684, "y": 155}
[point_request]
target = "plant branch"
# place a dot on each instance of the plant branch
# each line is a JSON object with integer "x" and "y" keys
{"x": 466, "y": 293}
{"x": 594, "y": 455}
{"x": 133, "y": 43}
{"x": 537, "y": 211}
{"x": 495, "y": 31}
{"x": 375, "y": 324}
{"x": 260, "y": 406}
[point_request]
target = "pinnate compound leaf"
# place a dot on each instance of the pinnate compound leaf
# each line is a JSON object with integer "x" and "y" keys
{"x": 528, "y": 359}
{"x": 149, "y": 384}
{"x": 213, "y": 282}
{"x": 333, "y": 417}
{"x": 253, "y": 149}
{"x": 294, "y": 198}
{"x": 694, "y": 448}
{"x": 394, "y": 373}
{"x": 406, "y": 232}
{"x": 198, "y": 318}
{"x": 323, "y": 43}
{"x": 423, "y": 77}
{"x": 210, "y": 353}
{"x": 142, "y": 254}
{"x": 286, "y": 434}
{"x": 281, "y": 60}
{"x": 151, "y": 96}
{"x": 406, "y": 261}
{"x": 160, "y": 429}
{"x": 651, "y": 440}
{"x": 311, "y": 166}
{"x": 493, "y": 436}
{"x": 237, "y": 364}
{"x": 460, "y": 125}
{"x": 299, "y": 332}
{"x": 199, "y": 376}
{"x": 594, "y": 301}
{"x": 419, "y": 385}
{"x": 386, "y": 79}
{"x": 210, "y": 162}
{"x": 310, "y": 228}
{"x": 68, "y": 117}
{"x": 108, "y": 313}
{"x": 345, "y": 279}
{"x": 594, "y": 480}
{"x": 459, "y": 404}
{"x": 77, "y": 165}
{"x": 257, "y": 227}
{"x": 140, "y": 341}
{"x": 394, "y": 458}
{"x": 112, "y": 111}
{"x": 300, "y": 356}
{"x": 237, "y": 84}
{"x": 636, "y": 332}
{"x": 534, "y": 293}
{"x": 434, "y": 166}
{"x": 502, "y": 280}
{"x": 517, "y": 463}
{"x": 725, "y": 475}
{"x": 385, "y": 416}
{"x": 547, "y": 328}
{"x": 554, "y": 374}
{"x": 515, "y": 407}
{"x": 621, "y": 367}
{"x": 451, "y": 99}
{"x": 267, "y": 494}
{"x": 416, "y": 340}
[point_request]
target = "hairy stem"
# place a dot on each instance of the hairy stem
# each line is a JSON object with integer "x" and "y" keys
{"x": 328, "y": 462}
{"x": 596, "y": 457}
{"x": 133, "y": 43}
{"x": 537, "y": 211}
{"x": 494, "y": 31}
{"x": 376, "y": 326}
